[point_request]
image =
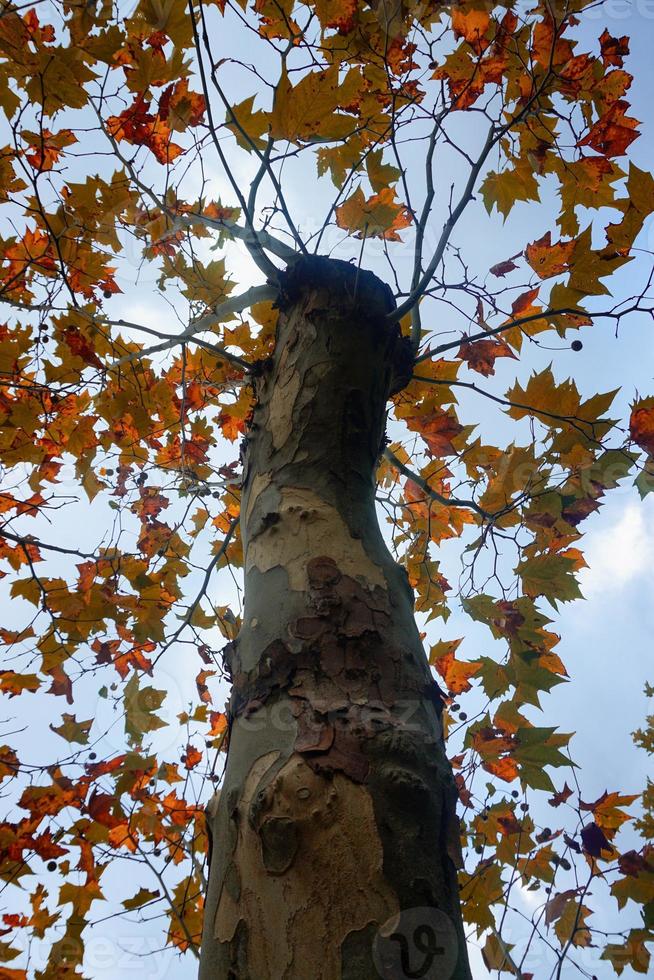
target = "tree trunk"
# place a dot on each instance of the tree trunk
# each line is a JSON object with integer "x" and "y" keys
{"x": 335, "y": 836}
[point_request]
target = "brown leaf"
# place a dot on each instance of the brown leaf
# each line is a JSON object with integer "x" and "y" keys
{"x": 614, "y": 49}
{"x": 594, "y": 840}
{"x": 480, "y": 355}
{"x": 561, "y": 797}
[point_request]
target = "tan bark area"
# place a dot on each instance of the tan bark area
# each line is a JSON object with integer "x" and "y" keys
{"x": 290, "y": 386}
{"x": 259, "y": 484}
{"x": 309, "y": 860}
{"x": 306, "y": 526}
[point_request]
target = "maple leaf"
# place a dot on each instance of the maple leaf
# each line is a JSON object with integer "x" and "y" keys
{"x": 570, "y": 926}
{"x": 81, "y": 347}
{"x": 455, "y": 673}
{"x": 614, "y": 49}
{"x": 140, "y": 705}
{"x": 502, "y": 269}
{"x": 524, "y": 302}
{"x": 181, "y": 108}
{"x": 641, "y": 424}
{"x": 380, "y": 216}
{"x": 471, "y": 25}
{"x": 73, "y": 730}
{"x": 607, "y": 811}
{"x": 480, "y": 355}
{"x": 33, "y": 253}
{"x": 631, "y": 951}
{"x": 502, "y": 190}
{"x": 219, "y": 723}
{"x": 438, "y": 428}
{"x": 594, "y": 840}
{"x": 138, "y": 126}
{"x": 551, "y": 576}
{"x": 142, "y": 897}
{"x": 613, "y": 133}
{"x": 381, "y": 175}
{"x": 9, "y": 762}
{"x": 40, "y": 33}
{"x": 201, "y": 684}
{"x": 549, "y": 260}
{"x": 191, "y": 757}
{"x": 637, "y": 884}
{"x": 560, "y": 797}
{"x": 14, "y": 684}
{"x": 46, "y": 147}
{"x": 308, "y": 110}
{"x": 339, "y": 14}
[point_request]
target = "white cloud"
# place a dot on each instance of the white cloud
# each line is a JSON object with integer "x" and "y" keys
{"x": 620, "y": 553}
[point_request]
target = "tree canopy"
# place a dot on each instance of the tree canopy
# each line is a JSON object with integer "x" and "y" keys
{"x": 166, "y": 160}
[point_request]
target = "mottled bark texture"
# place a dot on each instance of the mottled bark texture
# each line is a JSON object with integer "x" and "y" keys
{"x": 337, "y": 809}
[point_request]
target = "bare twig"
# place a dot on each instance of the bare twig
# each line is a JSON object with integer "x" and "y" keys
{"x": 431, "y": 493}
{"x": 234, "y": 304}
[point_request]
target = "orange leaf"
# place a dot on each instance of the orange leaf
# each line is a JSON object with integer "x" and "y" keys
{"x": 218, "y": 722}
{"x": 524, "y": 301}
{"x": 201, "y": 684}
{"x": 641, "y": 424}
{"x": 339, "y": 14}
{"x": 191, "y": 757}
{"x": 480, "y": 355}
{"x": 181, "y": 107}
{"x": 231, "y": 426}
{"x": 380, "y": 216}
{"x": 437, "y": 429}
{"x": 46, "y": 147}
{"x": 472, "y": 26}
{"x": 141, "y": 128}
{"x": 506, "y": 769}
{"x": 549, "y": 260}
{"x": 455, "y": 673}
{"x": 81, "y": 347}
{"x": 613, "y": 132}
{"x": 614, "y": 49}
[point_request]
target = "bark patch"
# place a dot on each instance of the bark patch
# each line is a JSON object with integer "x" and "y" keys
{"x": 307, "y": 526}
{"x": 327, "y": 880}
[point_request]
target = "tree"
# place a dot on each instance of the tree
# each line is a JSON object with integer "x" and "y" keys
{"x": 141, "y": 140}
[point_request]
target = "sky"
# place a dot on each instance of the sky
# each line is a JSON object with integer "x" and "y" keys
{"x": 606, "y": 638}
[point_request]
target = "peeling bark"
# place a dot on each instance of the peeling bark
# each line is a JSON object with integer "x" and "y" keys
{"x": 335, "y": 835}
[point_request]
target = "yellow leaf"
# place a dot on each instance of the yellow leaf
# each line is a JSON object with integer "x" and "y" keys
{"x": 381, "y": 216}
{"x": 307, "y": 111}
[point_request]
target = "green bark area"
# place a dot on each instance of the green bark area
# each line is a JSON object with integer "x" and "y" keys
{"x": 337, "y": 809}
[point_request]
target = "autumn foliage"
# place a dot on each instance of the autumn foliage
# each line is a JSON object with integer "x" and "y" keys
{"x": 147, "y": 160}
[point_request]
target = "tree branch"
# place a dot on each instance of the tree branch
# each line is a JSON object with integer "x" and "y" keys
{"x": 418, "y": 289}
{"x": 431, "y": 493}
{"x": 234, "y": 304}
{"x": 494, "y": 135}
{"x": 521, "y": 321}
{"x": 205, "y": 583}
{"x": 249, "y": 237}
{"x": 29, "y": 539}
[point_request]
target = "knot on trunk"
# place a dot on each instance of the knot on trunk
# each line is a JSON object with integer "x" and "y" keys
{"x": 346, "y": 291}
